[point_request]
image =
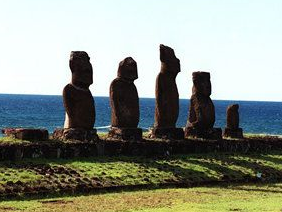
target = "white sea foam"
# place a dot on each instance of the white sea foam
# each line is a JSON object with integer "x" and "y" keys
{"x": 103, "y": 127}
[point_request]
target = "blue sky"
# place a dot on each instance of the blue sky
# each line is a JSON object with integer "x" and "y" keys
{"x": 238, "y": 41}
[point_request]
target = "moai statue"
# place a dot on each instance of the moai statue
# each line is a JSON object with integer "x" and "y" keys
{"x": 232, "y": 123}
{"x": 78, "y": 101}
{"x": 167, "y": 98}
{"x": 201, "y": 113}
{"x": 125, "y": 103}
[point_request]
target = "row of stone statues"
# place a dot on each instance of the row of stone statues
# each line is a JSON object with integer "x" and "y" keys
{"x": 124, "y": 100}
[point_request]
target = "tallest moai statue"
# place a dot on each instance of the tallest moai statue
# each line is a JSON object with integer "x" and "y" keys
{"x": 167, "y": 98}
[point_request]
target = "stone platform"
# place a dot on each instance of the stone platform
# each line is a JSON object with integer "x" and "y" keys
{"x": 146, "y": 147}
{"x": 233, "y": 133}
{"x": 213, "y": 134}
{"x": 167, "y": 133}
{"x": 128, "y": 134}
{"x": 73, "y": 134}
{"x": 27, "y": 133}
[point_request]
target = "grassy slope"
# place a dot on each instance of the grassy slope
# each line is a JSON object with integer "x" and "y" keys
{"x": 229, "y": 198}
{"x": 10, "y": 140}
{"x": 52, "y": 175}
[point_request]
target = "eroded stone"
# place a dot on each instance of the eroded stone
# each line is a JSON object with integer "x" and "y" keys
{"x": 78, "y": 100}
{"x": 27, "y": 134}
{"x": 125, "y": 102}
{"x": 201, "y": 112}
{"x": 232, "y": 122}
{"x": 167, "y": 97}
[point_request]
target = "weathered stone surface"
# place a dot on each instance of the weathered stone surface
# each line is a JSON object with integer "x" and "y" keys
{"x": 27, "y": 134}
{"x": 167, "y": 133}
{"x": 233, "y": 133}
{"x": 125, "y": 102}
{"x": 167, "y": 98}
{"x": 201, "y": 113}
{"x": 78, "y": 100}
{"x": 146, "y": 147}
{"x": 128, "y": 134}
{"x": 75, "y": 134}
{"x": 212, "y": 133}
{"x": 124, "y": 96}
{"x": 232, "y": 123}
{"x": 232, "y": 117}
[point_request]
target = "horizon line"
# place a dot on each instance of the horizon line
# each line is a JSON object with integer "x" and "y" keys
{"x": 144, "y": 97}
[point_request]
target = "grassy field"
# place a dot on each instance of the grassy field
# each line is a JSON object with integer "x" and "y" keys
{"x": 226, "y": 198}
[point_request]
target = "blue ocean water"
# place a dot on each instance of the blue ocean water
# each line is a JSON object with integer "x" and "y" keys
{"x": 41, "y": 111}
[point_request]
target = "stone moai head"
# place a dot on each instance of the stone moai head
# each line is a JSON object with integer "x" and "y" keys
{"x": 233, "y": 108}
{"x": 81, "y": 68}
{"x": 127, "y": 69}
{"x": 201, "y": 83}
{"x": 170, "y": 63}
{"x": 232, "y": 116}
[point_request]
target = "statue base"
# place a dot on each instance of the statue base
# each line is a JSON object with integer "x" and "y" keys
{"x": 167, "y": 133}
{"x": 233, "y": 133}
{"x": 27, "y": 134}
{"x": 213, "y": 134}
{"x": 132, "y": 134}
{"x": 75, "y": 134}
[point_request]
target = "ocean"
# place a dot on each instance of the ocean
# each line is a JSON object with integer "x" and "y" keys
{"x": 43, "y": 111}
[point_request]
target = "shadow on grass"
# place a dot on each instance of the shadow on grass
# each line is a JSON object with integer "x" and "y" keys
{"x": 222, "y": 163}
{"x": 240, "y": 186}
{"x": 190, "y": 169}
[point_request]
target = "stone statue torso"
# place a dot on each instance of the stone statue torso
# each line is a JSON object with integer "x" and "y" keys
{"x": 125, "y": 104}
{"x": 167, "y": 101}
{"x": 80, "y": 108}
{"x": 233, "y": 117}
{"x": 201, "y": 112}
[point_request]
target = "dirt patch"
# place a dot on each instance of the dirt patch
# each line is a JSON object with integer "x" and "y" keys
{"x": 207, "y": 192}
{"x": 56, "y": 201}
{"x": 7, "y": 208}
{"x": 235, "y": 209}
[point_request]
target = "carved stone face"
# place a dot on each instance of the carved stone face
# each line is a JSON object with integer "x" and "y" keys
{"x": 169, "y": 59}
{"x": 128, "y": 69}
{"x": 202, "y": 83}
{"x": 81, "y": 68}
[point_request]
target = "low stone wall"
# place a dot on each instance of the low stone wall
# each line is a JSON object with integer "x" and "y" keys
{"x": 53, "y": 149}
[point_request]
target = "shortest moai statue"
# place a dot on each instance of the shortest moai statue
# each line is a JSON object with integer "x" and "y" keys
{"x": 125, "y": 103}
{"x": 78, "y": 102}
{"x": 232, "y": 129}
{"x": 167, "y": 97}
{"x": 202, "y": 113}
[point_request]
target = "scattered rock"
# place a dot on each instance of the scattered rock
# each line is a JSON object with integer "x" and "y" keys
{"x": 27, "y": 133}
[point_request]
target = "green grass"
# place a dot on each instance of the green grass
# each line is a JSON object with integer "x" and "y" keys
{"x": 11, "y": 140}
{"x": 261, "y": 135}
{"x": 245, "y": 198}
{"x": 33, "y": 175}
